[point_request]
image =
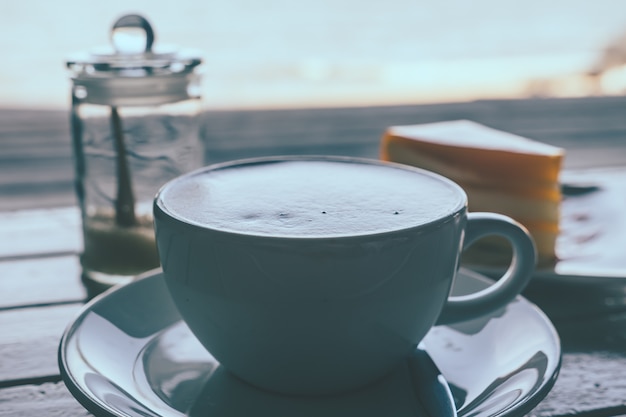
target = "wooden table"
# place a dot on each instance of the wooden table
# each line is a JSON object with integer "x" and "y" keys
{"x": 40, "y": 289}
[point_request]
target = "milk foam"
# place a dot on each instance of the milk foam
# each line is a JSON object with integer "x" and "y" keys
{"x": 310, "y": 198}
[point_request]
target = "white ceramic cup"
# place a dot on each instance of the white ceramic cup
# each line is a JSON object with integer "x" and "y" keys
{"x": 318, "y": 311}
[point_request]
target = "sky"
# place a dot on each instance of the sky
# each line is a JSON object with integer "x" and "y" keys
{"x": 280, "y": 53}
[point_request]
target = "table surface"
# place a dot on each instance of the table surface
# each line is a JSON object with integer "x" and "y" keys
{"x": 41, "y": 292}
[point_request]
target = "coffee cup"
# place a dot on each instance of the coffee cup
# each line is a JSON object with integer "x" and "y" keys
{"x": 314, "y": 275}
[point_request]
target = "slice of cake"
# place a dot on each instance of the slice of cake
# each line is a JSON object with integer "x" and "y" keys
{"x": 500, "y": 172}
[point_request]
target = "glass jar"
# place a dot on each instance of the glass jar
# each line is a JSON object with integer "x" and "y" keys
{"x": 135, "y": 125}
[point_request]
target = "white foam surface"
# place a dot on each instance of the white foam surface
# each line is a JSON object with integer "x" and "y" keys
{"x": 310, "y": 198}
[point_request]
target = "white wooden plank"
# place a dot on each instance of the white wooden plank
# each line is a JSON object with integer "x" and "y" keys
{"x": 40, "y": 281}
{"x": 29, "y": 339}
{"x": 40, "y": 232}
{"x": 50, "y": 399}
{"x": 588, "y": 383}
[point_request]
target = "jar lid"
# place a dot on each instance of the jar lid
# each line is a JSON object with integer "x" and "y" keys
{"x": 132, "y": 69}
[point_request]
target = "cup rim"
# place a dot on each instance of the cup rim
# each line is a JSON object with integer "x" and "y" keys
{"x": 161, "y": 212}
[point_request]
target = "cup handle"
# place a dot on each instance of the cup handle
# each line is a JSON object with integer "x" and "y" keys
{"x": 512, "y": 282}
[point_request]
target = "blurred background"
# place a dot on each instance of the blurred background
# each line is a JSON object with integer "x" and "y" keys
{"x": 285, "y": 54}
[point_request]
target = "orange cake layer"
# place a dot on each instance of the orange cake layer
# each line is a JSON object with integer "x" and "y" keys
{"x": 534, "y": 208}
{"x": 500, "y": 172}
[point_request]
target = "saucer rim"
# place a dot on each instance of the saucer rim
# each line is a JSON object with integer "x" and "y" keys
{"x": 101, "y": 409}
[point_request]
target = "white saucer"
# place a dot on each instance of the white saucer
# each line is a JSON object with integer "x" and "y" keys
{"x": 129, "y": 354}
